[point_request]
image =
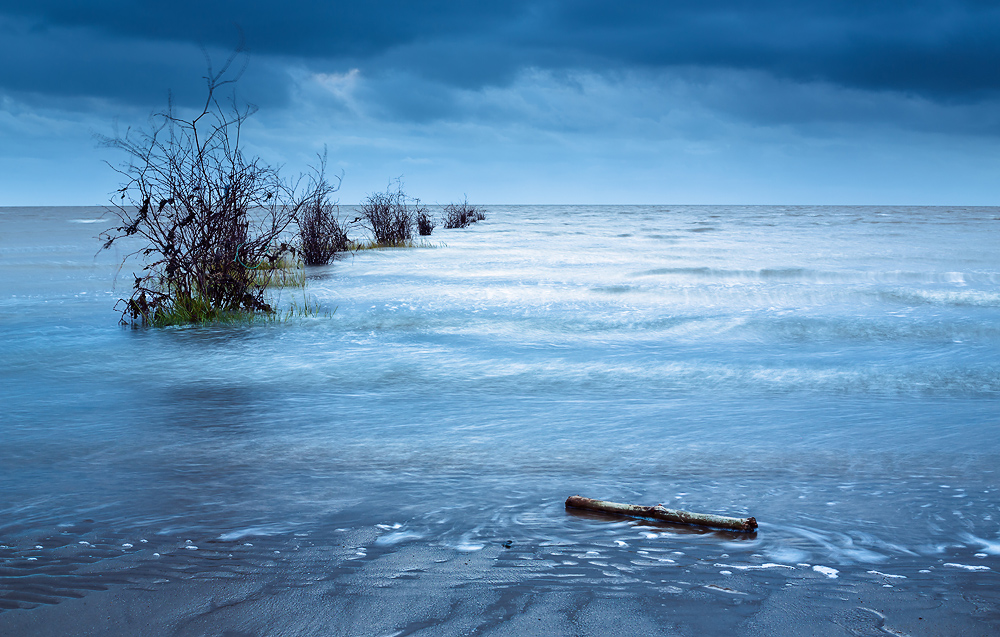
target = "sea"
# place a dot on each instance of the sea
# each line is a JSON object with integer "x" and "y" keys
{"x": 832, "y": 371}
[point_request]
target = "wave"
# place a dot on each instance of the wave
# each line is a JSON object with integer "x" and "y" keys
{"x": 807, "y": 275}
{"x": 954, "y": 298}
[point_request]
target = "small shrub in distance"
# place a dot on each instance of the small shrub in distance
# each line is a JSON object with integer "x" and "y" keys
{"x": 390, "y": 217}
{"x": 460, "y": 215}
{"x": 425, "y": 225}
{"x": 321, "y": 234}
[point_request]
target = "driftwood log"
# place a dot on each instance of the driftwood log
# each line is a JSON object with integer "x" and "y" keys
{"x": 662, "y": 513}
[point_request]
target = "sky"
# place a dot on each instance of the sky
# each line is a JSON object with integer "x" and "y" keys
{"x": 528, "y": 101}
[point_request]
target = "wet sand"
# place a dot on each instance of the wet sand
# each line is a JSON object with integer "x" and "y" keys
{"x": 364, "y": 584}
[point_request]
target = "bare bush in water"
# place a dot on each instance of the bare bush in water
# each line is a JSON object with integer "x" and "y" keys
{"x": 321, "y": 233}
{"x": 425, "y": 224}
{"x": 390, "y": 216}
{"x": 460, "y": 215}
{"x": 205, "y": 214}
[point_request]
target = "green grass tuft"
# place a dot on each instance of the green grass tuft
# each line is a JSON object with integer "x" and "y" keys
{"x": 357, "y": 246}
{"x": 186, "y": 310}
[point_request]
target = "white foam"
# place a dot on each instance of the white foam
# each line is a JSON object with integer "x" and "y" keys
{"x": 967, "y": 567}
{"x": 886, "y": 574}
{"x": 785, "y": 554}
{"x": 253, "y": 530}
{"x": 390, "y": 539}
{"x": 826, "y": 570}
{"x": 722, "y": 589}
{"x": 754, "y": 567}
{"x": 991, "y": 547}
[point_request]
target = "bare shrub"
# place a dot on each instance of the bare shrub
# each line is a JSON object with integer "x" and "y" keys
{"x": 389, "y": 216}
{"x": 425, "y": 224}
{"x": 321, "y": 233}
{"x": 460, "y": 215}
{"x": 206, "y": 215}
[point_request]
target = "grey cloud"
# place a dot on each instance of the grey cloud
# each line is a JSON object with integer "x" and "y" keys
{"x": 680, "y": 101}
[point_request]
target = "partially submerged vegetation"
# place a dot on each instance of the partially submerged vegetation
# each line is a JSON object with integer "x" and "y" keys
{"x": 321, "y": 233}
{"x": 425, "y": 224}
{"x": 211, "y": 223}
{"x": 206, "y": 215}
{"x": 390, "y": 216}
{"x": 357, "y": 246}
{"x": 460, "y": 215}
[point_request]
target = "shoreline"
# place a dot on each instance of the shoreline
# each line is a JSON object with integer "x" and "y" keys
{"x": 420, "y": 589}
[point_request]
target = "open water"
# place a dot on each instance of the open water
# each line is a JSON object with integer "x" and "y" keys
{"x": 833, "y": 371}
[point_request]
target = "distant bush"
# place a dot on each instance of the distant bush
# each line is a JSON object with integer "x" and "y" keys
{"x": 321, "y": 234}
{"x": 206, "y": 215}
{"x": 425, "y": 225}
{"x": 460, "y": 215}
{"x": 390, "y": 216}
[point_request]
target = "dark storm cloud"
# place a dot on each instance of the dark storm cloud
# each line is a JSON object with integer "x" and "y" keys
{"x": 939, "y": 50}
{"x": 297, "y": 28}
{"x": 50, "y": 65}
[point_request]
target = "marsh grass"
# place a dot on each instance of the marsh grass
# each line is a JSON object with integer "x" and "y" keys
{"x": 358, "y": 246}
{"x": 308, "y": 308}
{"x": 283, "y": 273}
{"x": 186, "y": 310}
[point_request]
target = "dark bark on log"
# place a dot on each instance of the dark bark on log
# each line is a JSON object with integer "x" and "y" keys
{"x": 661, "y": 513}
